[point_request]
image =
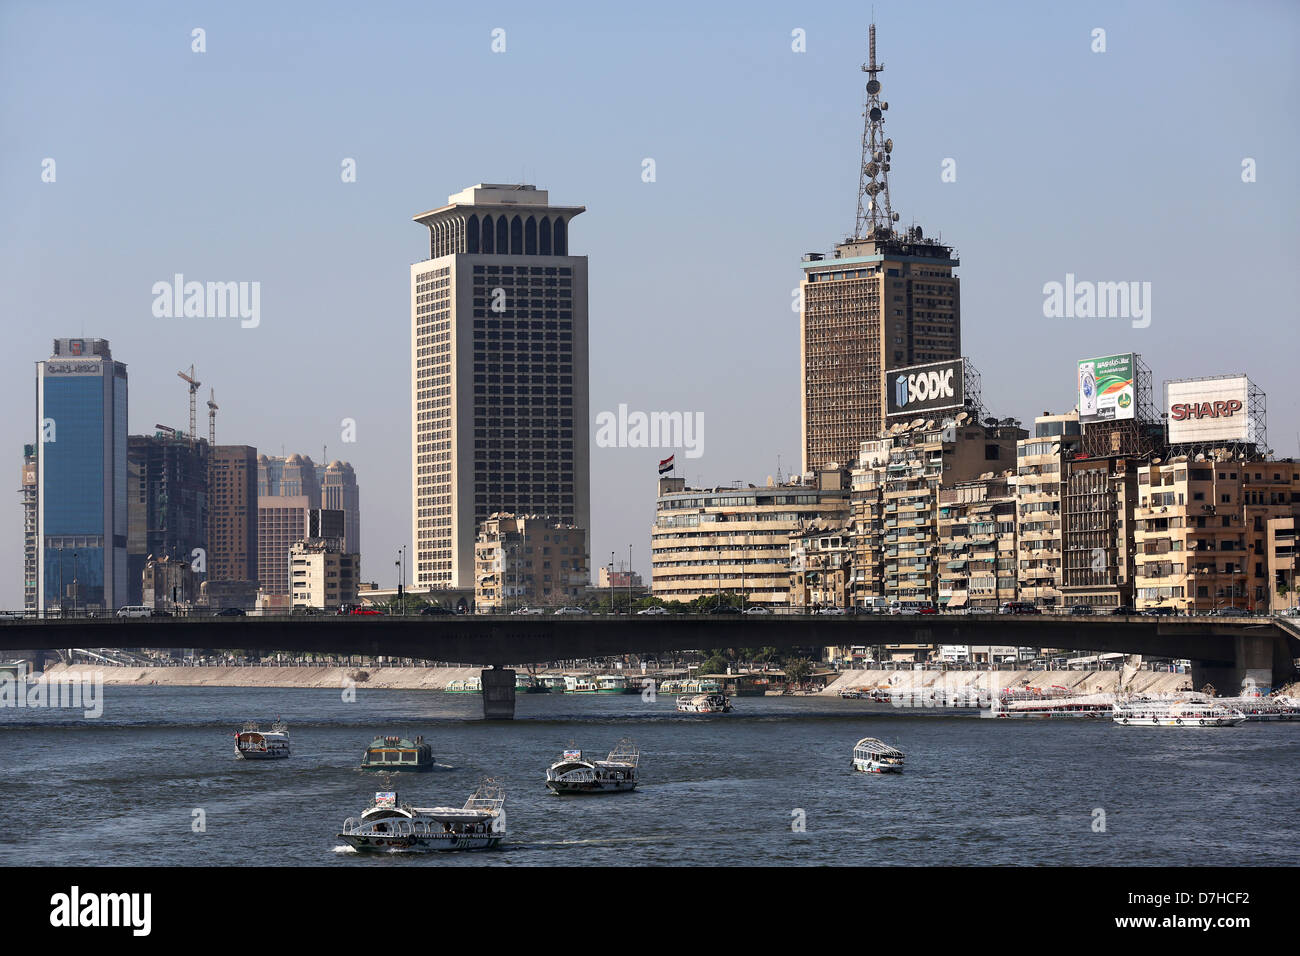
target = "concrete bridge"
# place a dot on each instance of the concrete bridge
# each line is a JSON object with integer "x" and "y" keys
{"x": 1224, "y": 651}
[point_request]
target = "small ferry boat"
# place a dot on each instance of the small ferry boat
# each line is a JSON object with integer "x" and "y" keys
{"x": 850, "y": 695}
{"x": 528, "y": 684}
{"x": 254, "y": 744}
{"x": 704, "y": 704}
{"x": 874, "y": 756}
{"x": 1176, "y": 713}
{"x": 613, "y": 684}
{"x": 389, "y": 824}
{"x": 615, "y": 774}
{"x": 553, "y": 683}
{"x": 581, "y": 684}
{"x": 398, "y": 753}
{"x": 471, "y": 685}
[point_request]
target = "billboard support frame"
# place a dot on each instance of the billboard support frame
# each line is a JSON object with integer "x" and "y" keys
{"x": 1256, "y": 413}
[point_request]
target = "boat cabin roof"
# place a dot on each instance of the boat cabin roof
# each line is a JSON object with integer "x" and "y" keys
{"x": 873, "y": 746}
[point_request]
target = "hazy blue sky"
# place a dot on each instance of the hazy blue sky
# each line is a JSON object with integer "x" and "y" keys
{"x": 225, "y": 165}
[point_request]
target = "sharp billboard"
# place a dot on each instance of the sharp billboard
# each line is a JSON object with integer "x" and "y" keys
{"x": 932, "y": 387}
{"x": 1107, "y": 390}
{"x": 1209, "y": 410}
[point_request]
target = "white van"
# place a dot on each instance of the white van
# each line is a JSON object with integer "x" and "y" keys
{"x": 135, "y": 610}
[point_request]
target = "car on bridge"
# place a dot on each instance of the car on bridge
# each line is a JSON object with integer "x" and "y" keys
{"x": 529, "y": 611}
{"x": 429, "y": 609}
{"x": 653, "y": 609}
{"x": 230, "y": 612}
{"x": 838, "y": 611}
{"x": 1124, "y": 610}
{"x": 757, "y": 609}
{"x": 1018, "y": 607}
{"x": 1081, "y": 609}
{"x": 366, "y": 610}
{"x": 1231, "y": 612}
{"x": 570, "y": 610}
{"x": 1162, "y": 611}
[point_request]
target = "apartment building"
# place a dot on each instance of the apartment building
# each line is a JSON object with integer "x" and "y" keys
{"x": 1040, "y": 465}
{"x": 736, "y": 540}
{"x": 529, "y": 560}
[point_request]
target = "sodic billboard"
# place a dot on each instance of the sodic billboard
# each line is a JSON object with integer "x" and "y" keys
{"x": 926, "y": 388}
{"x": 1106, "y": 388}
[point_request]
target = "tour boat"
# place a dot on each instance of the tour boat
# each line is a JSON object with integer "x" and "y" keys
{"x": 615, "y": 774}
{"x": 584, "y": 684}
{"x": 398, "y": 753}
{"x": 1278, "y": 707}
{"x": 472, "y": 685}
{"x": 874, "y": 756}
{"x": 1176, "y": 713}
{"x": 528, "y": 684}
{"x": 553, "y": 683}
{"x": 691, "y": 686}
{"x": 254, "y": 744}
{"x": 1082, "y": 705}
{"x": 704, "y": 704}
{"x": 388, "y": 824}
{"x": 613, "y": 684}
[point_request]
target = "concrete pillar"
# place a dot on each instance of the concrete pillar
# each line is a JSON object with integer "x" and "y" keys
{"x": 499, "y": 693}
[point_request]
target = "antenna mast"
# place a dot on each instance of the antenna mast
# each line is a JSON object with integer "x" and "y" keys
{"x": 874, "y": 210}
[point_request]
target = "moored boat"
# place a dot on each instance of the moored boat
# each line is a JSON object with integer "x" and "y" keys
{"x": 617, "y": 773}
{"x": 875, "y": 756}
{"x": 398, "y": 753}
{"x": 529, "y": 684}
{"x": 704, "y": 704}
{"x": 254, "y": 744}
{"x": 389, "y": 824}
{"x": 471, "y": 685}
{"x": 1175, "y": 713}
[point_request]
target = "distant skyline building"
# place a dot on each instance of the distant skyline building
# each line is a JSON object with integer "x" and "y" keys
{"x": 884, "y": 299}
{"x": 28, "y": 492}
{"x": 339, "y": 491}
{"x": 81, "y": 515}
{"x": 499, "y": 370}
{"x": 288, "y": 490}
{"x": 167, "y": 503}
{"x": 289, "y": 475}
{"x": 232, "y": 515}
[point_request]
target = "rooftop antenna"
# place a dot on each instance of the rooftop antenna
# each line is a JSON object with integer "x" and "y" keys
{"x": 194, "y": 388}
{"x": 875, "y": 214}
{"x": 212, "y": 418}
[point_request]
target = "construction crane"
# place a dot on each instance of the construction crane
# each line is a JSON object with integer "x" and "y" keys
{"x": 194, "y": 388}
{"x": 212, "y": 418}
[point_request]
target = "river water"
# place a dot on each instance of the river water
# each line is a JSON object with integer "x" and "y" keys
{"x": 770, "y": 784}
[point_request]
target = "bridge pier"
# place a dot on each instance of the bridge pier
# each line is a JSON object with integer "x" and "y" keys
{"x": 498, "y": 693}
{"x": 1259, "y": 661}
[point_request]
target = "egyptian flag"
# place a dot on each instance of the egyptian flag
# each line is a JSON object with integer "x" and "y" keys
{"x": 666, "y": 464}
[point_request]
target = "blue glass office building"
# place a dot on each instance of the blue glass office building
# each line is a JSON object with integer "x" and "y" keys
{"x": 81, "y": 524}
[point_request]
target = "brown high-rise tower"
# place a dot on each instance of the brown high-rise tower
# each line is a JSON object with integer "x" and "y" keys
{"x": 884, "y": 299}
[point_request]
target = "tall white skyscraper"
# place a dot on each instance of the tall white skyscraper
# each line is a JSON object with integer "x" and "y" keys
{"x": 499, "y": 374}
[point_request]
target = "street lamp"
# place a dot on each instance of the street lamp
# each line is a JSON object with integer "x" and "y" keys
{"x": 611, "y": 582}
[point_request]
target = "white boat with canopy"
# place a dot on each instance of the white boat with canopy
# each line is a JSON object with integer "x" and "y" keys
{"x": 704, "y": 704}
{"x": 1176, "y": 713}
{"x": 254, "y": 744}
{"x": 617, "y": 773}
{"x": 389, "y": 824}
{"x": 875, "y": 756}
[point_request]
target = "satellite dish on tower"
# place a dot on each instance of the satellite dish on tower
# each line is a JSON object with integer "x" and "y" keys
{"x": 889, "y": 145}
{"x": 872, "y": 169}
{"x": 875, "y": 113}
{"x": 873, "y": 87}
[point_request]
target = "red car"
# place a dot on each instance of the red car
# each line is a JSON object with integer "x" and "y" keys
{"x": 927, "y": 609}
{"x": 360, "y": 609}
